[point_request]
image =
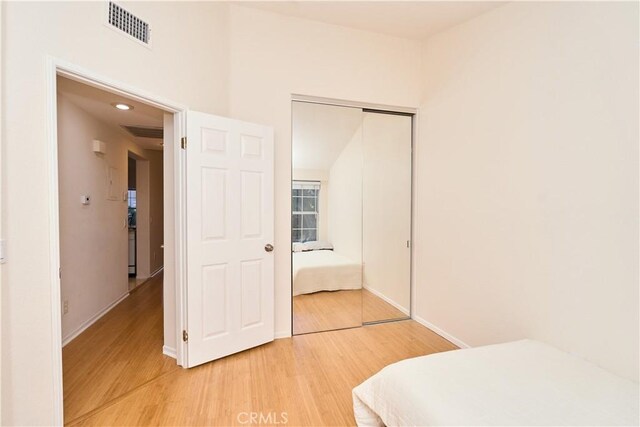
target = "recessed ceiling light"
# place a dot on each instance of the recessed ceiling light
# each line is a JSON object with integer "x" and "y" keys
{"x": 122, "y": 106}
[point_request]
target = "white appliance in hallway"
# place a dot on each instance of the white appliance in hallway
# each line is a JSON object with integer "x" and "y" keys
{"x": 230, "y": 230}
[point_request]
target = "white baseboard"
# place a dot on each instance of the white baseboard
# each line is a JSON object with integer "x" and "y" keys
{"x": 387, "y": 300}
{"x": 442, "y": 333}
{"x": 156, "y": 272}
{"x": 282, "y": 334}
{"x": 168, "y": 351}
{"x": 93, "y": 319}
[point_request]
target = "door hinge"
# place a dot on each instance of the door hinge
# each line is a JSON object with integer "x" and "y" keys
{"x": 60, "y": 272}
{"x": 183, "y": 142}
{"x": 185, "y": 336}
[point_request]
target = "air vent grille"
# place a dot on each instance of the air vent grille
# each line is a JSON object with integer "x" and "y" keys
{"x": 145, "y": 131}
{"x": 129, "y": 23}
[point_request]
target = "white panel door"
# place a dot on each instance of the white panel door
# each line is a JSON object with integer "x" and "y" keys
{"x": 230, "y": 273}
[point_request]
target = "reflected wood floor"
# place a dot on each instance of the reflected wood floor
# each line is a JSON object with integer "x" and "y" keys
{"x": 115, "y": 373}
{"x": 375, "y": 309}
{"x": 329, "y": 310}
{"x": 326, "y": 311}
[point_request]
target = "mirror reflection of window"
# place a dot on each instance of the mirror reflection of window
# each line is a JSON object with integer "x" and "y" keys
{"x": 304, "y": 212}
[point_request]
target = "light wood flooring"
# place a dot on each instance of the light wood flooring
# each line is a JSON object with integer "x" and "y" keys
{"x": 118, "y": 353}
{"x": 115, "y": 373}
{"x": 326, "y": 311}
{"x": 134, "y": 282}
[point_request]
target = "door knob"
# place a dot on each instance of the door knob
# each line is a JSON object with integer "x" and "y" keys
{"x": 268, "y": 247}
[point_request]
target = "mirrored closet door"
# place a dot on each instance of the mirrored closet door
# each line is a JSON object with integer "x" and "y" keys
{"x": 350, "y": 216}
{"x": 386, "y": 216}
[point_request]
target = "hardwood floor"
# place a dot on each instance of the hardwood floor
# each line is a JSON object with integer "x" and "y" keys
{"x": 326, "y": 311}
{"x": 118, "y": 353}
{"x": 134, "y": 282}
{"x": 115, "y": 373}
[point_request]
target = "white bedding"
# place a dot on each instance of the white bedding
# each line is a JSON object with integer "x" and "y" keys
{"x": 519, "y": 383}
{"x": 324, "y": 270}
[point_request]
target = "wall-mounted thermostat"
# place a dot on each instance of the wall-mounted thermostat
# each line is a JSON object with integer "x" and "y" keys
{"x": 85, "y": 199}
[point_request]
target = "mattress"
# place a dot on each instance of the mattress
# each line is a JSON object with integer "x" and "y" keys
{"x": 519, "y": 383}
{"x": 324, "y": 270}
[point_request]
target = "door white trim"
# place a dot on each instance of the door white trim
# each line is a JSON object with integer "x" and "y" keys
{"x": 53, "y": 68}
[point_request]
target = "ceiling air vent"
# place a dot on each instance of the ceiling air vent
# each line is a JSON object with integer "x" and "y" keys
{"x": 128, "y": 23}
{"x": 145, "y": 132}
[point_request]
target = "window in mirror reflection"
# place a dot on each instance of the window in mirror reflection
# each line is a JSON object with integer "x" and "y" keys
{"x": 304, "y": 211}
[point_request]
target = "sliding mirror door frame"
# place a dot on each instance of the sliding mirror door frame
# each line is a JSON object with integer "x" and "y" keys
{"x": 326, "y": 257}
{"x": 389, "y": 307}
{"x": 374, "y": 108}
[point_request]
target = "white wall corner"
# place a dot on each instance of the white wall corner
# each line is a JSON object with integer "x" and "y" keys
{"x": 440, "y": 332}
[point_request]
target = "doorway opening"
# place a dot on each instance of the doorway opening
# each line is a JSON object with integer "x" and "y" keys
{"x": 131, "y": 218}
{"x": 114, "y": 206}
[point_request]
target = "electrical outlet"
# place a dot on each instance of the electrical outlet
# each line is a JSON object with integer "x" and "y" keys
{"x": 65, "y": 307}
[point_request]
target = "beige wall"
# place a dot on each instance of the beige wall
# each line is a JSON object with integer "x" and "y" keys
{"x": 195, "y": 76}
{"x": 93, "y": 238}
{"x": 527, "y": 164}
{"x": 149, "y": 213}
{"x": 143, "y": 214}
{"x": 345, "y": 200}
{"x": 273, "y": 56}
{"x": 156, "y": 206}
{"x": 1, "y": 191}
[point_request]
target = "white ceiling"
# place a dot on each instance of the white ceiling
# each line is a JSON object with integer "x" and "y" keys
{"x": 320, "y": 133}
{"x": 409, "y": 19}
{"x": 98, "y": 103}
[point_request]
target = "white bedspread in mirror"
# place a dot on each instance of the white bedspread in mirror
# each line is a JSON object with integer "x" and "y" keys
{"x": 518, "y": 383}
{"x": 324, "y": 270}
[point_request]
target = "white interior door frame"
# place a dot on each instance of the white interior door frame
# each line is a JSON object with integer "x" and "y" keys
{"x": 55, "y": 67}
